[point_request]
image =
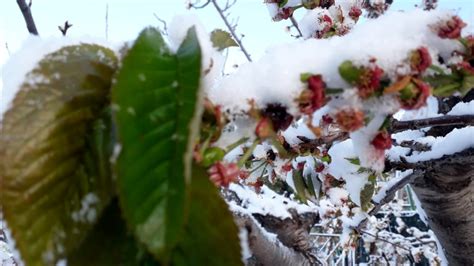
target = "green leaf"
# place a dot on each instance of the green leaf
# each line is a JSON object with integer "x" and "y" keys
{"x": 109, "y": 243}
{"x": 353, "y": 160}
{"x": 156, "y": 101}
{"x": 367, "y": 192}
{"x": 211, "y": 236}
{"x": 54, "y": 152}
{"x": 222, "y": 39}
{"x": 299, "y": 184}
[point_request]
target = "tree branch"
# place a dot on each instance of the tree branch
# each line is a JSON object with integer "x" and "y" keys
{"x": 447, "y": 120}
{"x": 388, "y": 194}
{"x": 231, "y": 29}
{"x": 295, "y": 24}
{"x": 26, "y": 11}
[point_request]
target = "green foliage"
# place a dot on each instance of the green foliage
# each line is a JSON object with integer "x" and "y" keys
{"x": 54, "y": 152}
{"x": 156, "y": 101}
{"x": 155, "y": 97}
{"x": 56, "y": 145}
{"x": 221, "y": 39}
{"x": 210, "y": 235}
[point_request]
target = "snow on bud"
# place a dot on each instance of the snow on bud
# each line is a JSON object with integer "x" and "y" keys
{"x": 450, "y": 29}
{"x": 222, "y": 174}
{"x": 382, "y": 141}
{"x": 350, "y": 119}
{"x": 420, "y": 60}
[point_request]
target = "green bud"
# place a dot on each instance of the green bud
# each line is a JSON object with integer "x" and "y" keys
{"x": 349, "y": 72}
{"x": 212, "y": 155}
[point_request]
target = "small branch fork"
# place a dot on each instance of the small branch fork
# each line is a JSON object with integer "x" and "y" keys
{"x": 65, "y": 28}
{"x": 230, "y": 26}
{"x": 26, "y": 11}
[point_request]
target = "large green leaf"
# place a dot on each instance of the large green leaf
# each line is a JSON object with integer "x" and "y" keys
{"x": 155, "y": 98}
{"x": 54, "y": 152}
{"x": 210, "y": 236}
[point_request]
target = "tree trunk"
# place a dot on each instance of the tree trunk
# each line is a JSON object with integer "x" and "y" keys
{"x": 446, "y": 193}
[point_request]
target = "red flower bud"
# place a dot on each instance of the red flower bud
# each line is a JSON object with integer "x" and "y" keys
{"x": 350, "y": 119}
{"x": 451, "y": 29}
{"x": 223, "y": 174}
{"x": 414, "y": 95}
{"x": 355, "y": 13}
{"x": 420, "y": 60}
{"x": 314, "y": 97}
{"x": 369, "y": 82}
{"x": 382, "y": 141}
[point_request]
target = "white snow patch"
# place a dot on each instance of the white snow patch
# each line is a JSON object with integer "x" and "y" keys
{"x": 276, "y": 76}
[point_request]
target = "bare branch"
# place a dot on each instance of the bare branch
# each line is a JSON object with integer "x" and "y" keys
{"x": 196, "y": 6}
{"x": 447, "y": 120}
{"x": 295, "y": 25}
{"x": 65, "y": 28}
{"x": 231, "y": 29}
{"x": 26, "y": 11}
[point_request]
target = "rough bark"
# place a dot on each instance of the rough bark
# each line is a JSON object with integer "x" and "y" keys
{"x": 267, "y": 251}
{"x": 446, "y": 193}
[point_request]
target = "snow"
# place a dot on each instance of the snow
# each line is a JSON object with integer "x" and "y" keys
{"x": 455, "y": 141}
{"x": 276, "y": 76}
{"x": 88, "y": 211}
{"x": 341, "y": 168}
{"x": 244, "y": 244}
{"x": 388, "y": 185}
{"x": 463, "y": 108}
{"x": 267, "y": 202}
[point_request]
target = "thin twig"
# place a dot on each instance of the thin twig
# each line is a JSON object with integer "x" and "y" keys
{"x": 65, "y": 28}
{"x": 162, "y": 21}
{"x": 389, "y": 195}
{"x": 231, "y": 29}
{"x": 295, "y": 25}
{"x": 195, "y": 6}
{"x": 26, "y": 11}
{"x": 8, "y": 49}
{"x": 447, "y": 120}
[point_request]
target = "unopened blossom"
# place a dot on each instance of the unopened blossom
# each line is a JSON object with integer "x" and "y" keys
{"x": 314, "y": 97}
{"x": 451, "y": 29}
{"x": 350, "y": 119}
{"x": 222, "y": 174}
{"x": 369, "y": 82}
{"x": 414, "y": 95}
{"x": 420, "y": 59}
{"x": 355, "y": 13}
{"x": 382, "y": 141}
{"x": 469, "y": 42}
